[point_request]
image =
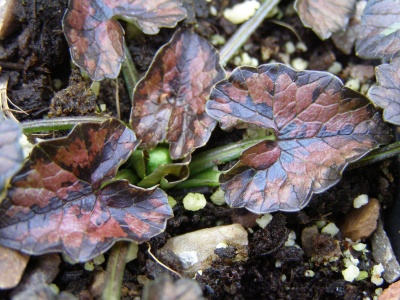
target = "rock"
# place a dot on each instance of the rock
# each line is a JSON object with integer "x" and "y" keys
{"x": 361, "y": 223}
{"x": 42, "y": 270}
{"x": 392, "y": 292}
{"x": 196, "y": 249}
{"x": 8, "y": 23}
{"x": 383, "y": 253}
{"x": 165, "y": 288}
{"x": 12, "y": 264}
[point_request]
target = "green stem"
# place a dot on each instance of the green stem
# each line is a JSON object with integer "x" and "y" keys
{"x": 245, "y": 31}
{"x": 129, "y": 71}
{"x": 377, "y": 155}
{"x": 58, "y": 123}
{"x": 115, "y": 271}
{"x": 220, "y": 155}
{"x": 209, "y": 177}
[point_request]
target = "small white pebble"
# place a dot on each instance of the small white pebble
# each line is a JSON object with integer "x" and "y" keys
{"x": 353, "y": 84}
{"x": 320, "y": 224}
{"x": 364, "y": 88}
{"x": 350, "y": 273}
{"x": 171, "y": 201}
{"x": 194, "y": 201}
{"x": 264, "y": 220}
{"x": 237, "y": 61}
{"x": 309, "y": 273}
{"x": 217, "y": 39}
{"x": 278, "y": 264}
{"x": 301, "y": 46}
{"x": 378, "y": 291}
{"x": 89, "y": 266}
{"x": 359, "y": 246}
{"x": 103, "y": 107}
{"x": 283, "y": 278}
{"x": 291, "y": 239}
{"x": 377, "y": 270}
{"x": 360, "y": 200}
{"x": 290, "y": 48}
{"x": 241, "y": 12}
{"x": 218, "y": 197}
{"x": 246, "y": 59}
{"x": 213, "y": 11}
{"x": 335, "y": 67}
{"x": 331, "y": 229}
{"x": 299, "y": 64}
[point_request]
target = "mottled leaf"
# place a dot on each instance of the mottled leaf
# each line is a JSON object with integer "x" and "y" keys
{"x": 325, "y": 17}
{"x": 63, "y": 199}
{"x": 386, "y": 92}
{"x": 344, "y": 40}
{"x": 320, "y": 127}
{"x": 169, "y": 102}
{"x": 96, "y": 41}
{"x": 380, "y": 30}
{"x": 11, "y": 155}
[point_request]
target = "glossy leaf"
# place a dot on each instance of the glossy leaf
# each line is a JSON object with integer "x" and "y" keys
{"x": 380, "y": 30}
{"x": 96, "y": 41}
{"x": 325, "y": 17}
{"x": 64, "y": 200}
{"x": 320, "y": 127}
{"x": 169, "y": 102}
{"x": 11, "y": 155}
{"x": 386, "y": 92}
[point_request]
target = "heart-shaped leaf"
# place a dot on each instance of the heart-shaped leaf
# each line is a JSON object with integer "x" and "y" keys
{"x": 63, "y": 200}
{"x": 325, "y": 17}
{"x": 380, "y": 30}
{"x": 320, "y": 127}
{"x": 169, "y": 102}
{"x": 386, "y": 92}
{"x": 96, "y": 41}
{"x": 11, "y": 155}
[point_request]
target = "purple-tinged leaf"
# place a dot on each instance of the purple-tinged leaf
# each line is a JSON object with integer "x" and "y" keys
{"x": 386, "y": 92}
{"x": 320, "y": 127}
{"x": 63, "y": 200}
{"x": 325, "y": 17}
{"x": 380, "y": 30}
{"x": 169, "y": 102}
{"x": 11, "y": 155}
{"x": 96, "y": 41}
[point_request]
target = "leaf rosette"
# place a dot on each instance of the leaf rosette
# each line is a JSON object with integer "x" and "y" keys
{"x": 64, "y": 198}
{"x": 320, "y": 127}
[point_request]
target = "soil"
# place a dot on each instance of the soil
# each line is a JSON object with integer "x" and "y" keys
{"x": 44, "y": 82}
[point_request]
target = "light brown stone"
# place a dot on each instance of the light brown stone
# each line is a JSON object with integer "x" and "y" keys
{"x": 196, "y": 249}
{"x": 361, "y": 223}
{"x": 12, "y": 266}
{"x": 392, "y": 292}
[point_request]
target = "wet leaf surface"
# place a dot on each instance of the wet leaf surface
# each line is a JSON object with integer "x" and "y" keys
{"x": 325, "y": 17}
{"x": 96, "y": 41}
{"x": 63, "y": 199}
{"x": 11, "y": 155}
{"x": 386, "y": 92}
{"x": 169, "y": 102}
{"x": 380, "y": 30}
{"x": 320, "y": 127}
